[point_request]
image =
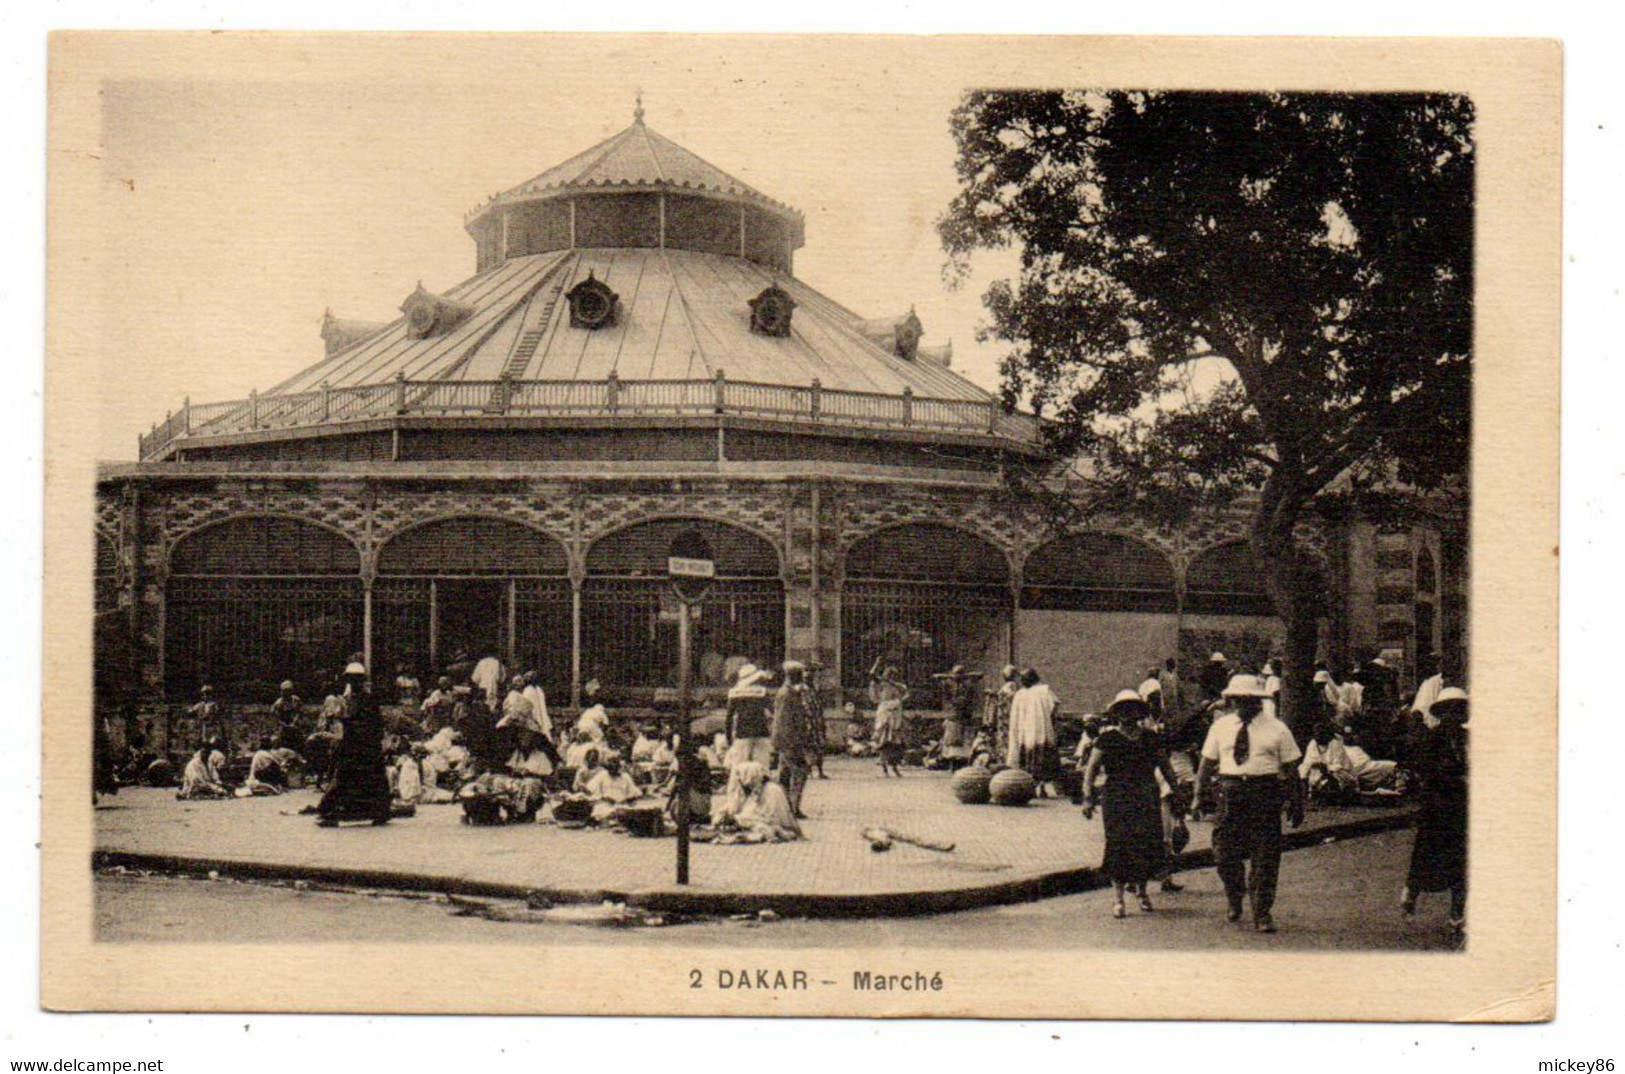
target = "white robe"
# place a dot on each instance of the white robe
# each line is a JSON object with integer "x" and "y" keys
{"x": 1032, "y": 717}
{"x": 538, "y": 704}
{"x": 489, "y": 675}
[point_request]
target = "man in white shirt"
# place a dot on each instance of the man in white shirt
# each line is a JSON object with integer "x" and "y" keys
{"x": 1428, "y": 692}
{"x": 1256, "y": 761}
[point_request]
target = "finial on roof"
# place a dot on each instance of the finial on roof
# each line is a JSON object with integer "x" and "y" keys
{"x": 637, "y": 110}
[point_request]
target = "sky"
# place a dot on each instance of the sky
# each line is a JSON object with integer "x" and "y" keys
{"x": 237, "y": 207}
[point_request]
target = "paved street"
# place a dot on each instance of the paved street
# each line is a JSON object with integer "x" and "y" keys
{"x": 1340, "y": 896}
{"x": 993, "y": 844}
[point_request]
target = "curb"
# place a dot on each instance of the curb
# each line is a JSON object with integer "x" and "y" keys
{"x": 700, "y": 903}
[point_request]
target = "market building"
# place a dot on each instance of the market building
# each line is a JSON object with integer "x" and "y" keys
{"x": 502, "y": 468}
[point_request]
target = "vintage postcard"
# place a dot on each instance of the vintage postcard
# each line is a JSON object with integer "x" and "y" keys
{"x": 866, "y": 526}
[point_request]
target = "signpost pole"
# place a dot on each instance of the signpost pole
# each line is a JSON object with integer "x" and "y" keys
{"x": 692, "y": 570}
{"x": 685, "y": 726}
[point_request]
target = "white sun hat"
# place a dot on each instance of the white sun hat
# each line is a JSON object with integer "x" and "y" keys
{"x": 1245, "y": 686}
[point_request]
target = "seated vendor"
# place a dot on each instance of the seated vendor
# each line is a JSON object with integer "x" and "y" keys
{"x": 612, "y": 784}
{"x": 586, "y": 770}
{"x": 267, "y": 771}
{"x": 1331, "y": 767}
{"x": 611, "y": 790}
{"x": 528, "y": 757}
{"x": 576, "y": 755}
{"x": 201, "y": 778}
{"x": 755, "y": 809}
{"x": 645, "y": 745}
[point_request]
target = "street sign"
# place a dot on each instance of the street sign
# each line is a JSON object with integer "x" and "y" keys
{"x": 684, "y": 567}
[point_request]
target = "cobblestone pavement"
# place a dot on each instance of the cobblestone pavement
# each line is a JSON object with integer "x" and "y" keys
{"x": 993, "y": 843}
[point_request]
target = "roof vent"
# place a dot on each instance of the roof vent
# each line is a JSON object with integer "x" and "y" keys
{"x": 592, "y": 304}
{"x": 429, "y": 314}
{"x": 899, "y": 335}
{"x": 341, "y": 334}
{"x": 770, "y": 312}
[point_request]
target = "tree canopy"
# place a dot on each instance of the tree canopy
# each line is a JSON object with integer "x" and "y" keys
{"x": 1224, "y": 291}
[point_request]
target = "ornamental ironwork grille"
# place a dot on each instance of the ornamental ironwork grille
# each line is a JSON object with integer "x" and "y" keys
{"x": 923, "y": 597}
{"x": 542, "y": 622}
{"x": 1102, "y": 572}
{"x": 1226, "y": 580}
{"x": 245, "y": 635}
{"x": 629, "y": 630}
{"x": 255, "y": 600}
{"x": 924, "y": 629}
{"x": 526, "y": 603}
{"x": 629, "y": 615}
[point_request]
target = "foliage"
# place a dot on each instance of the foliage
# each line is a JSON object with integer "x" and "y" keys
{"x": 1228, "y": 292}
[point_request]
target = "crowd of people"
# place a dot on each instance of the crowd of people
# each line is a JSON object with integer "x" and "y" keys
{"x": 1154, "y": 759}
{"x": 484, "y": 739}
{"x": 1160, "y": 754}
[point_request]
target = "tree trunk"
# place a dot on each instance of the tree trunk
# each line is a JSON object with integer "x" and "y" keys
{"x": 1291, "y": 584}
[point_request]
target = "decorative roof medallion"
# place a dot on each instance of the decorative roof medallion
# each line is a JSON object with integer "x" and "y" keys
{"x": 770, "y": 312}
{"x": 429, "y": 314}
{"x": 592, "y": 304}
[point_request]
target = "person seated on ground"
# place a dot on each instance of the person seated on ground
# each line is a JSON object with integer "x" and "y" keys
{"x": 528, "y": 757}
{"x": 266, "y": 773}
{"x": 981, "y": 750}
{"x": 711, "y": 753}
{"x": 858, "y": 743}
{"x": 1335, "y": 771}
{"x": 594, "y": 718}
{"x": 754, "y": 809}
{"x": 443, "y": 765}
{"x": 406, "y": 777}
{"x": 501, "y": 798}
{"x": 437, "y": 707}
{"x": 201, "y": 778}
{"x": 576, "y": 756}
{"x": 611, "y": 789}
{"x": 644, "y": 746}
{"x": 586, "y": 770}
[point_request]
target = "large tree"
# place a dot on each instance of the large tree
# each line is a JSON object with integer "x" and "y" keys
{"x": 1229, "y": 292}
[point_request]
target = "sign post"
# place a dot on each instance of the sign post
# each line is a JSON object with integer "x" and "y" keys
{"x": 691, "y": 568}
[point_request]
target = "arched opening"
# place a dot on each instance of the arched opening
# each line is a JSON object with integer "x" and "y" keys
{"x": 629, "y": 614}
{"x": 923, "y": 596}
{"x": 1227, "y": 608}
{"x": 1226, "y": 580}
{"x": 255, "y": 600}
{"x": 451, "y": 591}
{"x": 1104, "y": 572}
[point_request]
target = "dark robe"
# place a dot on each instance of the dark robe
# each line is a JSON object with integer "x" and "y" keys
{"x": 1439, "y": 855}
{"x": 360, "y": 788}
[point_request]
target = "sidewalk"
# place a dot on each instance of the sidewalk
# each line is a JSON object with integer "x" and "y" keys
{"x": 1002, "y": 855}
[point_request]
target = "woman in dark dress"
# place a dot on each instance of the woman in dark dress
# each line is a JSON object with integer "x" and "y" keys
{"x": 1130, "y": 755}
{"x": 1439, "y": 855}
{"x": 360, "y": 788}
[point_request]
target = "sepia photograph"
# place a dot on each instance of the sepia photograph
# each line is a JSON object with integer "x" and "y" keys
{"x": 661, "y": 507}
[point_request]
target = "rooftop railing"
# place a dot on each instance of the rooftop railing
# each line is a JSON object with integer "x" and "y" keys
{"x": 610, "y": 398}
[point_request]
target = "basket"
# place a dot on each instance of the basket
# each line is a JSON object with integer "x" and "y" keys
{"x": 1012, "y": 787}
{"x": 970, "y": 785}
